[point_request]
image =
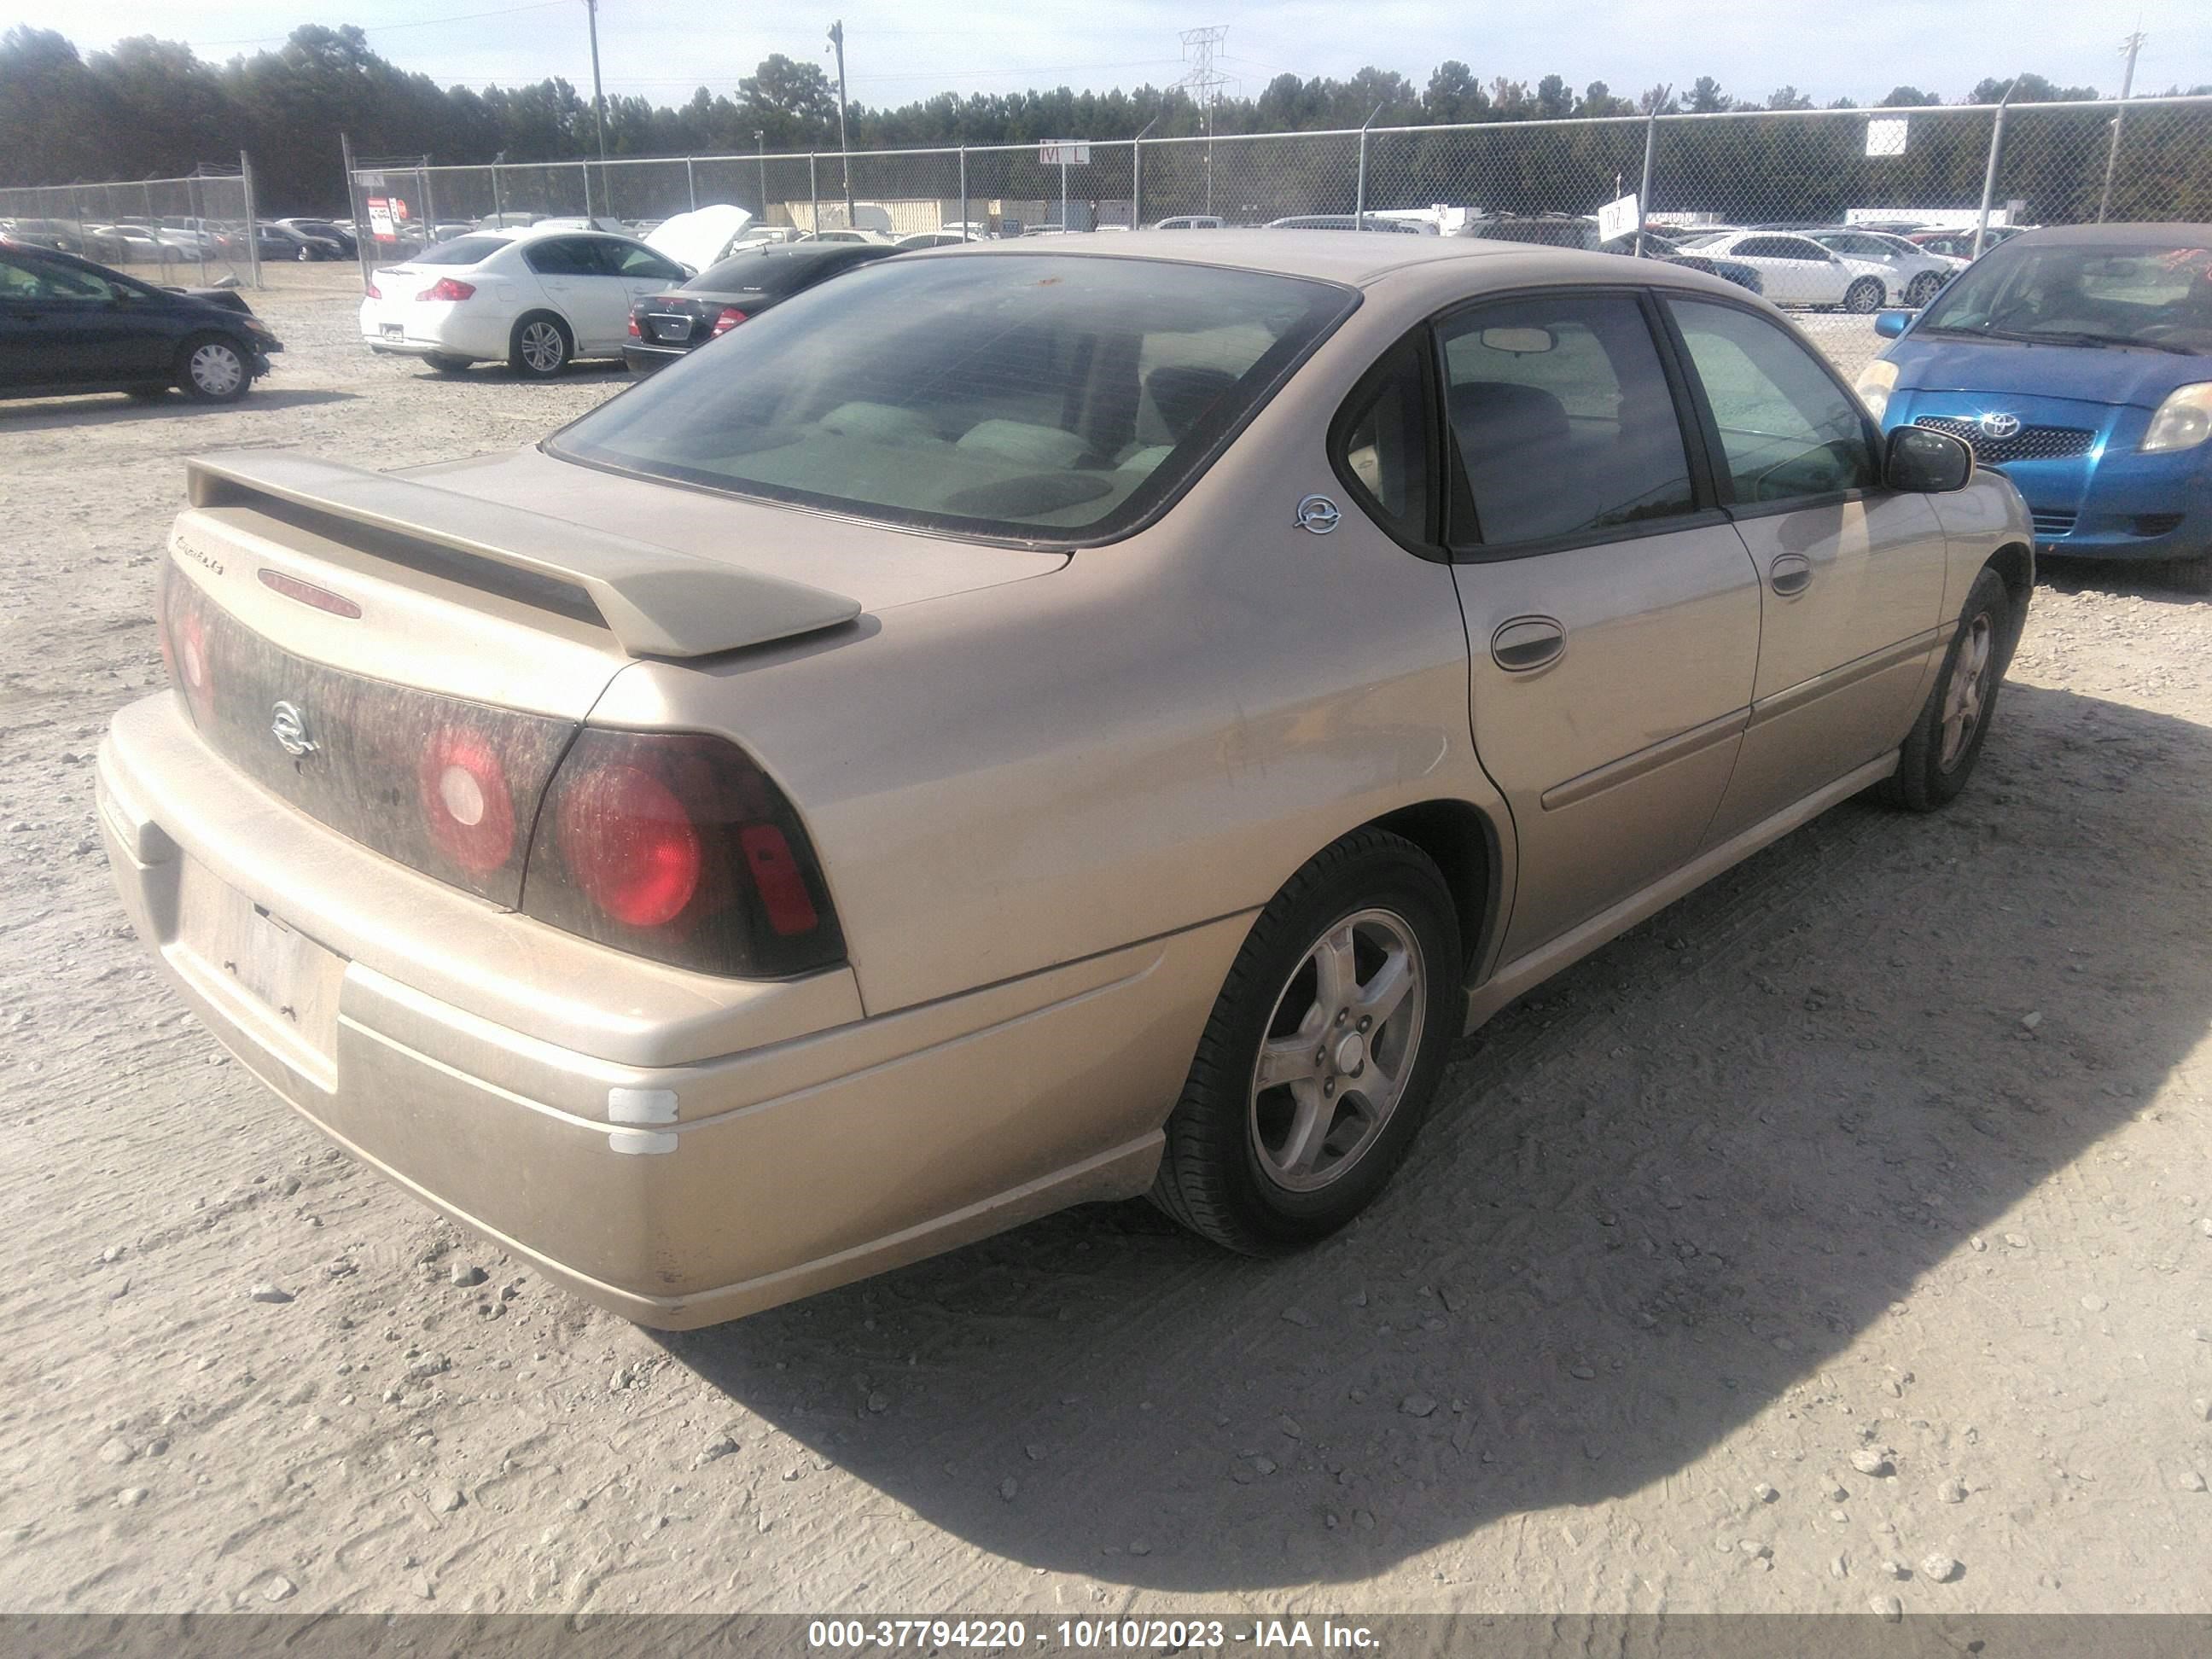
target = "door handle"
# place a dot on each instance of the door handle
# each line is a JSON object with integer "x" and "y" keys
{"x": 1527, "y": 644}
{"x": 1789, "y": 575}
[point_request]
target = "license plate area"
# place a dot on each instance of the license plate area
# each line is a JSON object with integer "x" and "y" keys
{"x": 673, "y": 330}
{"x": 277, "y": 984}
{"x": 390, "y": 330}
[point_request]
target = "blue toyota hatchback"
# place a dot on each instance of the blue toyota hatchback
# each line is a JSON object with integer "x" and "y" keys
{"x": 2078, "y": 362}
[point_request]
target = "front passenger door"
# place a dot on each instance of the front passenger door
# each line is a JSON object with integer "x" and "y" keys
{"x": 1853, "y": 572}
{"x": 589, "y": 295}
{"x": 1611, "y": 614}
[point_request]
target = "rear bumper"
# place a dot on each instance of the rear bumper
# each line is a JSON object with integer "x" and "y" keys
{"x": 677, "y": 1195}
{"x": 643, "y": 359}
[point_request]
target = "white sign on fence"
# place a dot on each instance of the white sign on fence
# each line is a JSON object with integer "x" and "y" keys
{"x": 1066, "y": 154}
{"x": 1617, "y": 218}
{"x": 1886, "y": 135}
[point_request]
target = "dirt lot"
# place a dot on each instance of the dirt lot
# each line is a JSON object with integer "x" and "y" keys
{"x": 1856, "y": 1210}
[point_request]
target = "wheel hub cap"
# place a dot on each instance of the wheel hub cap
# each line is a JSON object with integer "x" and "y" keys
{"x": 1968, "y": 692}
{"x": 1351, "y": 1055}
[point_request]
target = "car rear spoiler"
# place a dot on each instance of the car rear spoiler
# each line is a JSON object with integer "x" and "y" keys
{"x": 657, "y": 602}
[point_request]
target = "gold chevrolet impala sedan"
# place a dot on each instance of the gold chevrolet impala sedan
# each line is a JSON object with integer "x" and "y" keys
{"x": 1021, "y": 725}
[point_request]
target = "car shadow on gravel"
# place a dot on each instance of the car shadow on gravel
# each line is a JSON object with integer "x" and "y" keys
{"x": 97, "y": 409}
{"x": 2140, "y": 579}
{"x": 1661, "y": 1194}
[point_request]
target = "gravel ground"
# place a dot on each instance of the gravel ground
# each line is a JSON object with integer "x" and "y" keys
{"x": 1840, "y": 1235}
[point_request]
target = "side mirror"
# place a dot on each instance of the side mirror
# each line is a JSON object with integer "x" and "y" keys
{"x": 1925, "y": 462}
{"x": 1891, "y": 324}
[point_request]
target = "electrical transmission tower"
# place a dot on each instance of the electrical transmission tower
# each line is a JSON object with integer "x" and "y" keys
{"x": 1205, "y": 82}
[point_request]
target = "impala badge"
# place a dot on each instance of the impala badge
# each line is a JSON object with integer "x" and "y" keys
{"x": 1319, "y": 514}
{"x": 289, "y": 727}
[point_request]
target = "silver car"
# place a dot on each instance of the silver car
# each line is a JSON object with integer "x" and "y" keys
{"x": 1109, "y": 727}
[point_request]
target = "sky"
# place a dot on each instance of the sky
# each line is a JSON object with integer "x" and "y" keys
{"x": 898, "y": 50}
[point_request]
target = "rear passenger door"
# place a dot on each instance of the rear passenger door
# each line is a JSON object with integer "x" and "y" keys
{"x": 586, "y": 290}
{"x": 1852, "y": 571}
{"x": 1612, "y": 613}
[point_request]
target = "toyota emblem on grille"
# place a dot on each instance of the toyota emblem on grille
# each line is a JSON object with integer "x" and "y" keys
{"x": 289, "y": 727}
{"x": 1996, "y": 425}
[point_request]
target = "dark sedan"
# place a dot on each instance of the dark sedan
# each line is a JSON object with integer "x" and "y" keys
{"x": 68, "y": 326}
{"x": 664, "y": 326}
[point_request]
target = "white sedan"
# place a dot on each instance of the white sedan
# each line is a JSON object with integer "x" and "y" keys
{"x": 1909, "y": 276}
{"x": 1794, "y": 269}
{"x": 534, "y": 298}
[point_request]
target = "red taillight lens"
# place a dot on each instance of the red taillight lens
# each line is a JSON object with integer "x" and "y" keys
{"x": 372, "y": 291}
{"x": 467, "y": 807}
{"x": 677, "y": 847}
{"x": 635, "y": 333}
{"x": 446, "y": 288}
{"x": 627, "y": 842}
{"x": 185, "y": 643}
{"x": 730, "y": 319}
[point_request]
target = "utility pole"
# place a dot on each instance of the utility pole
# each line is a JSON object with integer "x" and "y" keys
{"x": 2131, "y": 46}
{"x": 598, "y": 97}
{"x": 837, "y": 41}
{"x": 759, "y": 150}
{"x": 1650, "y": 143}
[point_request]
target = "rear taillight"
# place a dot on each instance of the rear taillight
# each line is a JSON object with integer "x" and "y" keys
{"x": 730, "y": 319}
{"x": 185, "y": 643}
{"x": 446, "y": 288}
{"x": 635, "y": 333}
{"x": 372, "y": 291}
{"x": 468, "y": 809}
{"x": 676, "y": 846}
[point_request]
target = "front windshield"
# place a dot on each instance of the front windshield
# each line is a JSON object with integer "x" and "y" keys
{"x": 1038, "y": 397}
{"x": 2147, "y": 294}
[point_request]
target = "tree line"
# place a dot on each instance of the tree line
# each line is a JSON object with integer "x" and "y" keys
{"x": 152, "y": 108}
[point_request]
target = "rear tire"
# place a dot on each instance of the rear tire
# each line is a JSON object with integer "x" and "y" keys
{"x": 213, "y": 368}
{"x": 1864, "y": 295}
{"x": 540, "y": 347}
{"x": 1358, "y": 956}
{"x": 1939, "y": 755}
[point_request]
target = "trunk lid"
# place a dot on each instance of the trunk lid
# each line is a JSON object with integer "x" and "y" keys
{"x": 406, "y": 658}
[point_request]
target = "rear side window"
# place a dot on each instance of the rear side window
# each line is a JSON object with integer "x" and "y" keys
{"x": 1563, "y": 418}
{"x": 1381, "y": 444}
{"x": 1786, "y": 430}
{"x": 562, "y": 256}
{"x": 1039, "y": 396}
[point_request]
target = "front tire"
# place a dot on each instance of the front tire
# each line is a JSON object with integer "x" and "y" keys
{"x": 1864, "y": 295}
{"x": 1922, "y": 288}
{"x": 1322, "y": 1053}
{"x": 213, "y": 368}
{"x": 540, "y": 347}
{"x": 1939, "y": 755}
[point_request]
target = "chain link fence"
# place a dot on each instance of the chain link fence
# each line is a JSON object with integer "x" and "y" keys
{"x": 197, "y": 230}
{"x": 2055, "y": 163}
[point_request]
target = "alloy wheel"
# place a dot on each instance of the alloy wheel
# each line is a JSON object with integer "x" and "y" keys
{"x": 542, "y": 348}
{"x": 1340, "y": 1050}
{"x": 1968, "y": 695}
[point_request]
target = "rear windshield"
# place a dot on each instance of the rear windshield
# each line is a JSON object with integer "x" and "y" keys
{"x": 2152, "y": 295}
{"x": 461, "y": 251}
{"x": 1037, "y": 396}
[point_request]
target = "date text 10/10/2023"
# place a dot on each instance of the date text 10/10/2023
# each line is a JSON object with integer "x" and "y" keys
{"x": 1087, "y": 1635}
